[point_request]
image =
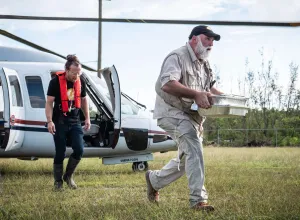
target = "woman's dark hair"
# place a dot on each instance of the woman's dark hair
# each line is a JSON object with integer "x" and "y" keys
{"x": 72, "y": 60}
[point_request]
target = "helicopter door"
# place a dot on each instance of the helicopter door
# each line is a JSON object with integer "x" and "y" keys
{"x": 111, "y": 78}
{"x": 13, "y": 108}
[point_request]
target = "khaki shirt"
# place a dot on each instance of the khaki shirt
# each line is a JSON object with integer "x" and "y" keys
{"x": 171, "y": 70}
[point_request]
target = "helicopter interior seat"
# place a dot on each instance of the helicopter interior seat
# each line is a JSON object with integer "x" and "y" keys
{"x": 94, "y": 130}
{"x": 91, "y": 136}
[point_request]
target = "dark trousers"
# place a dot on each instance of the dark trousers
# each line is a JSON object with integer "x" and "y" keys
{"x": 73, "y": 131}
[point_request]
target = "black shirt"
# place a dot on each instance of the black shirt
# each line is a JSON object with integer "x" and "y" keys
{"x": 54, "y": 90}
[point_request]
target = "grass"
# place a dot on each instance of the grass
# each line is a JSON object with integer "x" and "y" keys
{"x": 243, "y": 183}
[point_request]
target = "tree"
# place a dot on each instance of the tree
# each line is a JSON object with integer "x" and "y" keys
{"x": 292, "y": 93}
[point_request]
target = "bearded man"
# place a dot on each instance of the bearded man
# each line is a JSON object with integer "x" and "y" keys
{"x": 185, "y": 78}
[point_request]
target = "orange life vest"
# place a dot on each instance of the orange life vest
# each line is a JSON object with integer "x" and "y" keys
{"x": 63, "y": 91}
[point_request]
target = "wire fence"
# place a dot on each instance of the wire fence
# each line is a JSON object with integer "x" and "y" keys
{"x": 253, "y": 137}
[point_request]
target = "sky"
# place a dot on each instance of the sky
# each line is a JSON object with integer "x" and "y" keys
{"x": 138, "y": 50}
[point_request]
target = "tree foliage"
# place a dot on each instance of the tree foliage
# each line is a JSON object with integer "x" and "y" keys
{"x": 274, "y": 115}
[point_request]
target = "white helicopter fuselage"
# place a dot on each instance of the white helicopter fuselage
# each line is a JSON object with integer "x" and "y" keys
{"x": 121, "y": 132}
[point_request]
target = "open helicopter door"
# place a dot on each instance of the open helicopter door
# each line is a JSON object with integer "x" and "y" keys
{"x": 111, "y": 78}
{"x": 13, "y": 109}
{"x": 108, "y": 90}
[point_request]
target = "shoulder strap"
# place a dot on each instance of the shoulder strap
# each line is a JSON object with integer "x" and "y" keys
{"x": 77, "y": 93}
{"x": 63, "y": 90}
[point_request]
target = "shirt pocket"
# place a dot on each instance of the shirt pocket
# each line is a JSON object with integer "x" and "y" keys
{"x": 192, "y": 79}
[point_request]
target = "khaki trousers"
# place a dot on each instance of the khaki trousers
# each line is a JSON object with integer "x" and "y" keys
{"x": 189, "y": 160}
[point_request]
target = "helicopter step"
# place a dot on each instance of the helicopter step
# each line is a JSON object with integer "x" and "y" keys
{"x": 139, "y": 161}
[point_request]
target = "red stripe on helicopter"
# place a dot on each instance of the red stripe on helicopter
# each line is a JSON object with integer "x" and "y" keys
{"x": 43, "y": 123}
{"x": 28, "y": 122}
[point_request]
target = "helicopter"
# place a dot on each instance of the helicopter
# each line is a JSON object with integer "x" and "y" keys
{"x": 113, "y": 141}
{"x": 122, "y": 129}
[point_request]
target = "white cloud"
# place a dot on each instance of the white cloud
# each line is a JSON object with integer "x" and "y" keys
{"x": 168, "y": 9}
{"x": 39, "y": 26}
{"x": 42, "y": 8}
{"x": 171, "y": 9}
{"x": 49, "y": 8}
{"x": 275, "y": 10}
{"x": 267, "y": 10}
{"x": 245, "y": 31}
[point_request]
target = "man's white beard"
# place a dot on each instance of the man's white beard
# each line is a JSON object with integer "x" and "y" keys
{"x": 201, "y": 51}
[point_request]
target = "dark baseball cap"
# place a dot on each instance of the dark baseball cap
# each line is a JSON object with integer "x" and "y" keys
{"x": 202, "y": 29}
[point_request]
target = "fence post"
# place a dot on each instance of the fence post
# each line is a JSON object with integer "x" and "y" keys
{"x": 247, "y": 137}
{"x": 275, "y": 137}
{"x": 218, "y": 136}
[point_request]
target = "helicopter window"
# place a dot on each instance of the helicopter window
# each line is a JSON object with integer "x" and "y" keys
{"x": 92, "y": 108}
{"x": 35, "y": 91}
{"x": 102, "y": 87}
{"x": 16, "y": 91}
{"x": 128, "y": 107}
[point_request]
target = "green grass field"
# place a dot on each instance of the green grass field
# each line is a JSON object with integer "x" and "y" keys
{"x": 243, "y": 183}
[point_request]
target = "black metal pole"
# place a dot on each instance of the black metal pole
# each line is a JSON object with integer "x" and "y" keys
{"x": 99, "y": 38}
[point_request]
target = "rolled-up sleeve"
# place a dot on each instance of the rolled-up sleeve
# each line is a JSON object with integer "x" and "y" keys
{"x": 171, "y": 70}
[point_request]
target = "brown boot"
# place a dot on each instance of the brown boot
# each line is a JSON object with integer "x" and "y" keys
{"x": 152, "y": 194}
{"x": 68, "y": 176}
{"x": 57, "y": 172}
{"x": 203, "y": 206}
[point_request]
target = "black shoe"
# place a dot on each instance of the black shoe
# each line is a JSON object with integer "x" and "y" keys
{"x": 58, "y": 186}
{"x": 68, "y": 176}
